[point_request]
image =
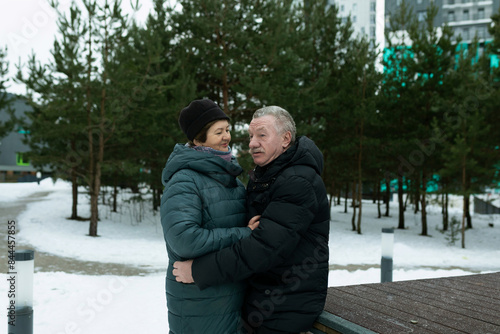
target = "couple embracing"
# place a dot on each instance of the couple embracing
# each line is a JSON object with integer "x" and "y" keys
{"x": 244, "y": 261}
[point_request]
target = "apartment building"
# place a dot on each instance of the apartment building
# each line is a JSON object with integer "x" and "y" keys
{"x": 467, "y": 18}
{"x": 367, "y": 17}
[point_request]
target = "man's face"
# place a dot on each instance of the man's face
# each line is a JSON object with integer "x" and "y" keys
{"x": 265, "y": 142}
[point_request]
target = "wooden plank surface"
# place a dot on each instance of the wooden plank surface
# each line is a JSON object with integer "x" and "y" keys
{"x": 464, "y": 304}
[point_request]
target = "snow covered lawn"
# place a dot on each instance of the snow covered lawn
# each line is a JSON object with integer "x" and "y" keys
{"x": 74, "y": 303}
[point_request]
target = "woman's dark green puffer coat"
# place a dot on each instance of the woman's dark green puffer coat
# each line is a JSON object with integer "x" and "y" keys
{"x": 202, "y": 210}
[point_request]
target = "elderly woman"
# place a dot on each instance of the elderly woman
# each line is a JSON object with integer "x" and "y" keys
{"x": 203, "y": 210}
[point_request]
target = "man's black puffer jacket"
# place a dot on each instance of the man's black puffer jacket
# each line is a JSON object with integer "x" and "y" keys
{"x": 286, "y": 258}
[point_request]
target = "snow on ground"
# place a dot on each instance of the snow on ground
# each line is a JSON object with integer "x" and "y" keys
{"x": 84, "y": 304}
{"x": 122, "y": 239}
{"x": 434, "y": 251}
{"x": 11, "y": 192}
{"x": 74, "y": 303}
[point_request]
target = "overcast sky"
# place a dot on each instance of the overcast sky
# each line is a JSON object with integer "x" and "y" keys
{"x": 30, "y": 25}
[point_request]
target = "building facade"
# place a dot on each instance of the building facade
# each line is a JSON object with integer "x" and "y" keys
{"x": 13, "y": 164}
{"x": 467, "y": 18}
{"x": 367, "y": 17}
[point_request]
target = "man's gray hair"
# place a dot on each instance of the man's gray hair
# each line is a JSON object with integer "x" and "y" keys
{"x": 284, "y": 121}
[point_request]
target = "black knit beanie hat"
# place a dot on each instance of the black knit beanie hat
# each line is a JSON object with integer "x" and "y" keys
{"x": 197, "y": 114}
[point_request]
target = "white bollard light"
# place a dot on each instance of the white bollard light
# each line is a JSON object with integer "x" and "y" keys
{"x": 20, "y": 310}
{"x": 387, "y": 253}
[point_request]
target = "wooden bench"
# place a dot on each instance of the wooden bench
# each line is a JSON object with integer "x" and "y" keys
{"x": 464, "y": 304}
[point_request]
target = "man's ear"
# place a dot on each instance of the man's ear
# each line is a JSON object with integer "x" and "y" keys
{"x": 287, "y": 138}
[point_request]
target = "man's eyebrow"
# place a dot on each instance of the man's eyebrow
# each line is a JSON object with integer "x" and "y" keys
{"x": 262, "y": 127}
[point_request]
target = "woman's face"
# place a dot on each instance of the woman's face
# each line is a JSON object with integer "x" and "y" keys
{"x": 218, "y": 136}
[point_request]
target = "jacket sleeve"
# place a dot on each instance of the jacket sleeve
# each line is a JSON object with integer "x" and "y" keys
{"x": 290, "y": 211}
{"x": 181, "y": 222}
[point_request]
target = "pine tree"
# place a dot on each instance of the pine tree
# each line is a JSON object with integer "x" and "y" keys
{"x": 55, "y": 128}
{"x": 281, "y": 54}
{"x": 5, "y": 98}
{"x": 213, "y": 39}
{"x": 359, "y": 83}
{"x": 153, "y": 87}
{"x": 75, "y": 114}
{"x": 494, "y": 100}
{"x": 106, "y": 27}
{"x": 469, "y": 158}
{"x": 396, "y": 102}
{"x": 434, "y": 54}
{"x": 323, "y": 96}
{"x": 241, "y": 54}
{"x": 366, "y": 82}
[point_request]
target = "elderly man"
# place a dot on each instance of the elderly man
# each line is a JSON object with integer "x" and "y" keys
{"x": 286, "y": 258}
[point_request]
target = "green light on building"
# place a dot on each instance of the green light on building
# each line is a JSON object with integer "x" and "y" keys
{"x": 20, "y": 161}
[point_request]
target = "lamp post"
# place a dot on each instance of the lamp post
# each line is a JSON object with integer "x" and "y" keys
{"x": 387, "y": 251}
{"x": 20, "y": 310}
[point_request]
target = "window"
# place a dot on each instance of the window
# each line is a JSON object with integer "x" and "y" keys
{"x": 419, "y": 2}
{"x": 342, "y": 8}
{"x": 480, "y": 13}
{"x": 20, "y": 161}
{"x": 421, "y": 15}
{"x": 398, "y": 2}
{"x": 363, "y": 30}
{"x": 372, "y": 32}
{"x": 354, "y": 19}
{"x": 451, "y": 2}
{"x": 373, "y": 6}
{"x": 354, "y": 7}
{"x": 451, "y": 16}
{"x": 372, "y": 19}
{"x": 465, "y": 15}
{"x": 481, "y": 50}
{"x": 481, "y": 32}
{"x": 466, "y": 34}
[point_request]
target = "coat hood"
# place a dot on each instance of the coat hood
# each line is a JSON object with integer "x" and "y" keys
{"x": 303, "y": 152}
{"x": 184, "y": 157}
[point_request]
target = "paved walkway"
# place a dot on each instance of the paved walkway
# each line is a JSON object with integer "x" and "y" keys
{"x": 45, "y": 262}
